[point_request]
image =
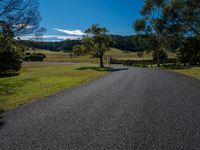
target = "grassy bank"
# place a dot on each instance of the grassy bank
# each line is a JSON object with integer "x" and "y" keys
{"x": 37, "y": 80}
{"x": 192, "y": 71}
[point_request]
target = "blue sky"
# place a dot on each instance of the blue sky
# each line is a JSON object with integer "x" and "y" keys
{"x": 69, "y": 18}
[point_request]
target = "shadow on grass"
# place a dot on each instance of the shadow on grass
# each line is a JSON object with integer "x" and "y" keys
{"x": 8, "y": 75}
{"x": 110, "y": 69}
{"x": 178, "y": 67}
{"x": 11, "y": 86}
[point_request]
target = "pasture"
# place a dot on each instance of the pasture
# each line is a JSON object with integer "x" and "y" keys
{"x": 113, "y": 52}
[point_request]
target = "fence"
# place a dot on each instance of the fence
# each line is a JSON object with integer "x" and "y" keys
{"x": 144, "y": 62}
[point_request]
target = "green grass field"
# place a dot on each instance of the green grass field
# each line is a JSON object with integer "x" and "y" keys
{"x": 193, "y": 72}
{"x": 37, "y": 80}
{"x": 64, "y": 57}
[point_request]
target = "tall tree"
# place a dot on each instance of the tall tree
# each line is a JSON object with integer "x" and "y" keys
{"x": 17, "y": 17}
{"x": 10, "y": 55}
{"x": 95, "y": 43}
{"x": 151, "y": 26}
{"x": 182, "y": 19}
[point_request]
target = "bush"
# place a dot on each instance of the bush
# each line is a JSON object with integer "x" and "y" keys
{"x": 34, "y": 57}
{"x": 173, "y": 66}
{"x": 140, "y": 54}
{"x": 189, "y": 52}
{"x": 140, "y": 65}
{"x": 160, "y": 55}
{"x": 10, "y": 59}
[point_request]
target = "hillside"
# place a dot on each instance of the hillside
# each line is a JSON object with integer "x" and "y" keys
{"x": 114, "y": 53}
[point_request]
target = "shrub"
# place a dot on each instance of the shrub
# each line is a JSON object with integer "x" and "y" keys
{"x": 34, "y": 57}
{"x": 10, "y": 59}
{"x": 140, "y": 54}
{"x": 189, "y": 52}
{"x": 140, "y": 65}
{"x": 160, "y": 55}
{"x": 173, "y": 66}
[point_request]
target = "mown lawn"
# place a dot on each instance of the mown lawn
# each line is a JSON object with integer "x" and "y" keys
{"x": 194, "y": 71}
{"x": 37, "y": 80}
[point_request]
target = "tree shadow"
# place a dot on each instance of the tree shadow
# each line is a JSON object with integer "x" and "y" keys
{"x": 178, "y": 67}
{"x": 1, "y": 118}
{"x": 119, "y": 69}
{"x": 8, "y": 75}
{"x": 9, "y": 87}
{"x": 109, "y": 69}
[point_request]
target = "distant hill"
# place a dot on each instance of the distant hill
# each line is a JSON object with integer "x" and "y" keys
{"x": 127, "y": 43}
{"x": 52, "y": 46}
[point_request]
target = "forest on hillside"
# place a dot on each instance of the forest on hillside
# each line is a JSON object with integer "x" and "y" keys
{"x": 130, "y": 43}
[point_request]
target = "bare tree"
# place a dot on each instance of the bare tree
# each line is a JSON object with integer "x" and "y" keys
{"x": 19, "y": 16}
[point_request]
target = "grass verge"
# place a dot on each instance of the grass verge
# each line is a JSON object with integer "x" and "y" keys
{"x": 192, "y": 71}
{"x": 37, "y": 80}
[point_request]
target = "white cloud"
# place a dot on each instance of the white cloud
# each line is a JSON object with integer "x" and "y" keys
{"x": 71, "y": 32}
{"x": 22, "y": 25}
{"x": 49, "y": 37}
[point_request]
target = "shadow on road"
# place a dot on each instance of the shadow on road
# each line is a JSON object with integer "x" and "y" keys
{"x": 1, "y": 119}
{"x": 110, "y": 69}
{"x": 119, "y": 69}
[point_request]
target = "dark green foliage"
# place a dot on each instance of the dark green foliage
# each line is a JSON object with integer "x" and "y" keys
{"x": 95, "y": 43}
{"x": 160, "y": 56}
{"x": 10, "y": 56}
{"x": 190, "y": 51}
{"x": 171, "y": 24}
{"x": 182, "y": 17}
{"x": 151, "y": 26}
{"x": 34, "y": 57}
{"x": 78, "y": 50}
{"x": 140, "y": 54}
{"x": 139, "y": 26}
{"x": 141, "y": 65}
{"x": 173, "y": 66}
{"x": 128, "y": 43}
{"x": 66, "y": 46}
{"x": 17, "y": 18}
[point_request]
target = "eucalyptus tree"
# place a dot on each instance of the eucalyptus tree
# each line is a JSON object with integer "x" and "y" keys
{"x": 95, "y": 42}
{"x": 182, "y": 19}
{"x": 152, "y": 25}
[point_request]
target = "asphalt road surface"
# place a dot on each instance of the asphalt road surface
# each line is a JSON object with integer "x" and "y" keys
{"x": 129, "y": 109}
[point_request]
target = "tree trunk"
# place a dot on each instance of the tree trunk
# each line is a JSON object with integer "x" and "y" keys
{"x": 158, "y": 60}
{"x": 101, "y": 61}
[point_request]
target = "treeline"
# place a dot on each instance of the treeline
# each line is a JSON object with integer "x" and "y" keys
{"x": 130, "y": 43}
{"x": 52, "y": 46}
{"x": 135, "y": 43}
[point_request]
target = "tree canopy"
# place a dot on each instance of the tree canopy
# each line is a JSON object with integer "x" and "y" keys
{"x": 19, "y": 16}
{"x": 164, "y": 22}
{"x": 95, "y": 43}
